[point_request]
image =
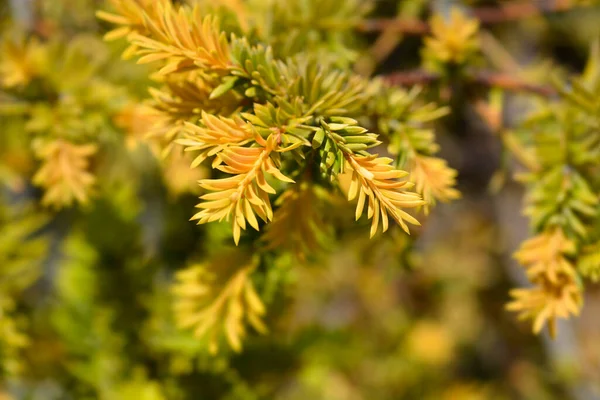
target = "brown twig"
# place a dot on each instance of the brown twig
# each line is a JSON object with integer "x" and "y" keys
{"x": 410, "y": 78}
{"x": 406, "y": 26}
{"x": 486, "y": 15}
{"x": 520, "y": 10}
{"x": 511, "y": 83}
{"x": 485, "y": 78}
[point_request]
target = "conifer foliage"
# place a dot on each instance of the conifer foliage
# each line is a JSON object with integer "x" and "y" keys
{"x": 299, "y": 112}
{"x": 202, "y": 157}
{"x": 281, "y": 117}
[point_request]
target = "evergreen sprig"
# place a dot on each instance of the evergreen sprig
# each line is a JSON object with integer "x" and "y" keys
{"x": 270, "y": 123}
{"x": 563, "y": 202}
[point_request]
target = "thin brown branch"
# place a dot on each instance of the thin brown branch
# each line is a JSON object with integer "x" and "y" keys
{"x": 511, "y": 83}
{"x": 407, "y": 26}
{"x": 519, "y": 10}
{"x": 485, "y": 78}
{"x": 486, "y": 15}
{"x": 411, "y": 78}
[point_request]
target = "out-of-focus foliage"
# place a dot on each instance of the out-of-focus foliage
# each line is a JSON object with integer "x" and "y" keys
{"x": 206, "y": 301}
{"x": 562, "y": 200}
{"x": 453, "y": 40}
{"x": 297, "y": 119}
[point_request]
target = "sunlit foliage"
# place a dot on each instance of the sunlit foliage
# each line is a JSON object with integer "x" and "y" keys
{"x": 260, "y": 199}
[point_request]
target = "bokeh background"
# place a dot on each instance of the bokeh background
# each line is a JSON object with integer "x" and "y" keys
{"x": 391, "y": 318}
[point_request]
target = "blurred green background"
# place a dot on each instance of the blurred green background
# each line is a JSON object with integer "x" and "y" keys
{"x": 84, "y": 301}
